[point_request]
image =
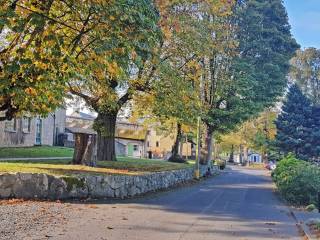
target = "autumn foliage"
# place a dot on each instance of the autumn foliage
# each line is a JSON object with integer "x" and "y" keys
{"x": 173, "y": 59}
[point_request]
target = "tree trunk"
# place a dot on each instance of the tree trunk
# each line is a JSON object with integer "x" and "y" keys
{"x": 181, "y": 148}
{"x": 89, "y": 156}
{"x": 240, "y": 153}
{"x": 264, "y": 156}
{"x": 246, "y": 153}
{"x": 215, "y": 150}
{"x": 175, "y": 149}
{"x": 231, "y": 157}
{"x": 208, "y": 146}
{"x": 81, "y": 142}
{"x": 209, "y": 143}
{"x": 105, "y": 125}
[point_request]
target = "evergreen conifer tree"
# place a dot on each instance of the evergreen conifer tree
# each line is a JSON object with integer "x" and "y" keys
{"x": 315, "y": 134}
{"x": 295, "y": 125}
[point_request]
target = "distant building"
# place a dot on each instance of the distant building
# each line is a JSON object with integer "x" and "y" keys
{"x": 255, "y": 158}
{"x": 159, "y": 145}
{"x": 132, "y": 139}
{"x": 31, "y": 131}
{"x": 129, "y": 137}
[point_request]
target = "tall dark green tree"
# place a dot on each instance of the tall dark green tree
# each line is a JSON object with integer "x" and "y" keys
{"x": 315, "y": 134}
{"x": 244, "y": 84}
{"x": 295, "y": 125}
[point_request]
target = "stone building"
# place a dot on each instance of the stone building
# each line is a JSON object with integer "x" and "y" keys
{"x": 31, "y": 131}
{"x": 129, "y": 137}
{"x": 159, "y": 145}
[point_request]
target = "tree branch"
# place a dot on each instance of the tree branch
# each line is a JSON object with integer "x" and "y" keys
{"x": 126, "y": 97}
{"x": 49, "y": 18}
{"x": 89, "y": 100}
{"x": 77, "y": 39}
{"x": 10, "y": 110}
{"x": 85, "y": 47}
{"x": 187, "y": 61}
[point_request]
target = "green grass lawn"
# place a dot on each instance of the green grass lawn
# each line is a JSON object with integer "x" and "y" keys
{"x": 35, "y": 152}
{"x": 126, "y": 166}
{"x": 142, "y": 164}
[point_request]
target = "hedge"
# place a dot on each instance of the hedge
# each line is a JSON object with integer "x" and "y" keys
{"x": 298, "y": 181}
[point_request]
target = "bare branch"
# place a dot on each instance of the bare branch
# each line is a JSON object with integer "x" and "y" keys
{"x": 85, "y": 47}
{"x": 89, "y": 100}
{"x": 126, "y": 97}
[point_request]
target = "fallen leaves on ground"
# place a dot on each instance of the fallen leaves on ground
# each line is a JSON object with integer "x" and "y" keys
{"x": 93, "y": 206}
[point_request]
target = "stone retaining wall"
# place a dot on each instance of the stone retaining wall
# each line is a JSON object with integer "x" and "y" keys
{"x": 43, "y": 186}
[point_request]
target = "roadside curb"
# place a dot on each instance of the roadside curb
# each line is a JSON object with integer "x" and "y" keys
{"x": 301, "y": 225}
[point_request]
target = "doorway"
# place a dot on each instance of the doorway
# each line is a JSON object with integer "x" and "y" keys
{"x": 130, "y": 150}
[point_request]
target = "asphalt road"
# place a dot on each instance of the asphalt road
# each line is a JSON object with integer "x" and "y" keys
{"x": 238, "y": 204}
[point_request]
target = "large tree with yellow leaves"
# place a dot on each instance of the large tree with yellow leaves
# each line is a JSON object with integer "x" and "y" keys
{"x": 32, "y": 57}
{"x": 122, "y": 52}
{"x": 94, "y": 49}
{"x": 187, "y": 26}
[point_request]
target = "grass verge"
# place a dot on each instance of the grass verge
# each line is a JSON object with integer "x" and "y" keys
{"x": 35, "y": 152}
{"x": 124, "y": 166}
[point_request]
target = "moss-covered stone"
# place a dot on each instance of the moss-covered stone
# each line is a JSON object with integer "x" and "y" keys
{"x": 73, "y": 181}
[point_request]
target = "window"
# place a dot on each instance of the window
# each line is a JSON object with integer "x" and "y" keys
{"x": 135, "y": 147}
{"x": 148, "y": 132}
{"x": 26, "y": 125}
{"x": 148, "y": 144}
{"x": 157, "y": 144}
{"x": 11, "y": 126}
{"x": 39, "y": 131}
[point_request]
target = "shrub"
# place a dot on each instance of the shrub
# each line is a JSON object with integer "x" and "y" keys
{"x": 311, "y": 207}
{"x": 297, "y": 180}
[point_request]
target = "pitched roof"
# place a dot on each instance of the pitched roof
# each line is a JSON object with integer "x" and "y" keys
{"x": 82, "y": 115}
{"x": 81, "y": 130}
{"x": 137, "y": 134}
{"x": 123, "y": 130}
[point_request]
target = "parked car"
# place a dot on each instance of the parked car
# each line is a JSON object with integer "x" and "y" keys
{"x": 271, "y": 166}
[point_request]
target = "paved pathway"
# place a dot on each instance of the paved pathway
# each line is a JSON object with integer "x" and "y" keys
{"x": 239, "y": 204}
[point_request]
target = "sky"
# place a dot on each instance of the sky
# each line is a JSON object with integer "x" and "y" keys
{"x": 304, "y": 17}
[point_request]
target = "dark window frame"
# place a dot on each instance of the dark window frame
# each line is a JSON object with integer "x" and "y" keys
{"x": 13, "y": 127}
{"x": 28, "y": 128}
